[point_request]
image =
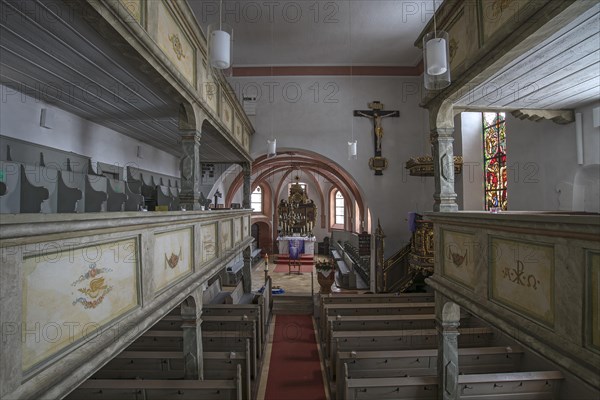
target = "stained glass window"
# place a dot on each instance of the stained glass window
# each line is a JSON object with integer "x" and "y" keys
{"x": 494, "y": 160}
{"x": 339, "y": 208}
{"x": 256, "y": 199}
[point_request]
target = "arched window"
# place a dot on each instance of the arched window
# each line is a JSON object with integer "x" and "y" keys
{"x": 494, "y": 161}
{"x": 256, "y": 199}
{"x": 339, "y": 208}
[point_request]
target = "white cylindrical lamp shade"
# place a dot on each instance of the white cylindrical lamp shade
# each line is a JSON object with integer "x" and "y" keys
{"x": 352, "y": 150}
{"x": 436, "y": 60}
{"x": 220, "y": 49}
{"x": 271, "y": 148}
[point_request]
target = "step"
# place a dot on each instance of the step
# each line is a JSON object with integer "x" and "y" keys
{"x": 293, "y": 304}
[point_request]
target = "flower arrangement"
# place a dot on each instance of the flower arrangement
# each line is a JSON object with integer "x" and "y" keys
{"x": 325, "y": 265}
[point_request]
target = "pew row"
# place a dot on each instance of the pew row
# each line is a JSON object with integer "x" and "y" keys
{"x": 533, "y": 385}
{"x": 403, "y": 308}
{"x": 388, "y": 364}
{"x": 136, "y": 389}
{"x": 400, "y": 340}
{"x": 374, "y": 298}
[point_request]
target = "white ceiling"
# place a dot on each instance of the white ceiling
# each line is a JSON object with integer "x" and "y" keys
{"x": 308, "y": 33}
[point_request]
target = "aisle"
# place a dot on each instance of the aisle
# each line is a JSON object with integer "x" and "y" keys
{"x": 294, "y": 369}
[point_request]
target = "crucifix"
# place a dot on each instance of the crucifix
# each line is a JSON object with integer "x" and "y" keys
{"x": 376, "y": 113}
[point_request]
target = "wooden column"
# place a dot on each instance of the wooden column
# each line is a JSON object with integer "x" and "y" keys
{"x": 441, "y": 123}
{"x": 247, "y": 171}
{"x": 447, "y": 321}
{"x": 190, "y": 169}
{"x": 192, "y": 340}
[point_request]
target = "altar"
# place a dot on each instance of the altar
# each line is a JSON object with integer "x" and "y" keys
{"x": 302, "y": 244}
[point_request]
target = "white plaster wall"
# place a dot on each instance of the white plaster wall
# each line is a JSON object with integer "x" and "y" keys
{"x": 20, "y": 118}
{"x": 542, "y": 163}
{"x": 315, "y": 114}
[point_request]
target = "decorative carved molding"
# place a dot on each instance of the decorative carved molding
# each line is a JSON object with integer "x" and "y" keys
{"x": 423, "y": 165}
{"x": 558, "y": 116}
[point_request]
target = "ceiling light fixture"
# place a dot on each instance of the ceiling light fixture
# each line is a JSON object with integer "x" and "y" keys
{"x": 271, "y": 143}
{"x": 220, "y": 45}
{"x": 436, "y": 58}
{"x": 353, "y": 144}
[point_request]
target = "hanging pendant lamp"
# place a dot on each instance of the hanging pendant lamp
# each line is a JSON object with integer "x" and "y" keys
{"x": 220, "y": 45}
{"x": 436, "y": 58}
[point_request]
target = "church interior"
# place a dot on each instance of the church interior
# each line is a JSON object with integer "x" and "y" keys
{"x": 300, "y": 200}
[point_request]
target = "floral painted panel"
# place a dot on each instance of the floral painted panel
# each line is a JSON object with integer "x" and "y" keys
{"x": 70, "y": 293}
{"x": 209, "y": 242}
{"x": 522, "y": 277}
{"x": 173, "y": 255}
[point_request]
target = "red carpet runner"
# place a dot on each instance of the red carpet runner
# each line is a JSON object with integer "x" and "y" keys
{"x": 295, "y": 370}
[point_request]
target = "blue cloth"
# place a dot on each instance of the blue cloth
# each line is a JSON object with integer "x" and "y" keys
{"x": 296, "y": 247}
{"x": 412, "y": 221}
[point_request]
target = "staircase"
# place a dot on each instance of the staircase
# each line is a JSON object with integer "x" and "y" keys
{"x": 292, "y": 304}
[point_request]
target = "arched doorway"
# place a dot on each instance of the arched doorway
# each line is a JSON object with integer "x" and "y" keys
{"x": 261, "y": 232}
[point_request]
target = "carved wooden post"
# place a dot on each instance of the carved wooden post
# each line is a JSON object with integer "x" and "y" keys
{"x": 247, "y": 269}
{"x": 192, "y": 339}
{"x": 190, "y": 169}
{"x": 442, "y": 130}
{"x": 247, "y": 170}
{"x": 379, "y": 259}
{"x": 447, "y": 321}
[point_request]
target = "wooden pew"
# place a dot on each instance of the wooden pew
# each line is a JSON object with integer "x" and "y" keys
{"x": 512, "y": 386}
{"x": 374, "y": 323}
{"x": 387, "y": 364}
{"x": 373, "y": 298}
{"x": 399, "y": 340}
{"x": 144, "y": 365}
{"x": 136, "y": 389}
{"x": 228, "y": 343}
{"x": 401, "y": 308}
{"x": 218, "y": 365}
{"x": 235, "y": 324}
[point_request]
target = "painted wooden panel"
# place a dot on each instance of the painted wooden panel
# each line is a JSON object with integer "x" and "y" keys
{"x": 227, "y": 113}
{"x": 209, "y": 242}
{"x": 460, "y": 43}
{"x": 593, "y": 298}
{"x": 237, "y": 130}
{"x": 173, "y": 256}
{"x": 174, "y": 43}
{"x": 246, "y": 232}
{"x": 69, "y": 293}
{"x": 496, "y": 13}
{"x": 458, "y": 263}
{"x": 133, "y": 7}
{"x": 246, "y": 141}
{"x": 522, "y": 277}
{"x": 237, "y": 230}
{"x": 225, "y": 236}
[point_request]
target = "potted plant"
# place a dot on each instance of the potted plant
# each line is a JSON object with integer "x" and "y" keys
{"x": 325, "y": 274}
